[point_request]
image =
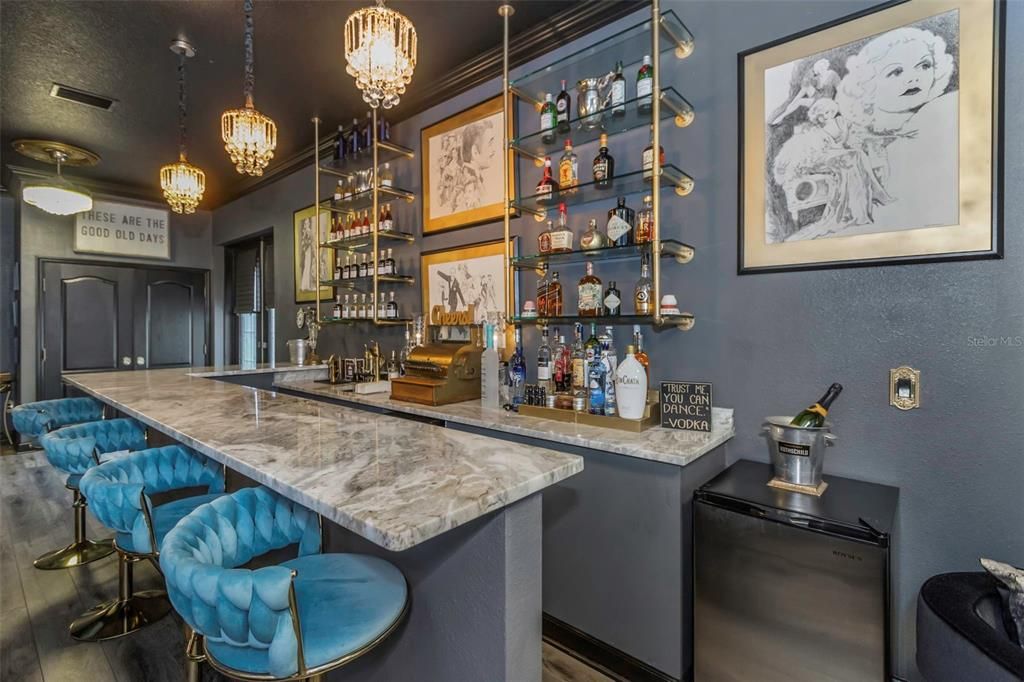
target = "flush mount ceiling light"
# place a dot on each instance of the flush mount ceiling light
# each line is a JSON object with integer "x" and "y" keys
{"x": 250, "y": 137}
{"x": 56, "y": 195}
{"x": 183, "y": 184}
{"x": 380, "y": 48}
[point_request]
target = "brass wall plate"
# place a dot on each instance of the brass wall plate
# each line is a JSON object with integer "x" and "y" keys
{"x": 905, "y": 388}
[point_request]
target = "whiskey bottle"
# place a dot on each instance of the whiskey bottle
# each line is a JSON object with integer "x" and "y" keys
{"x": 381, "y": 264}
{"x": 639, "y": 354}
{"x": 568, "y": 170}
{"x": 618, "y": 92}
{"x": 362, "y": 307}
{"x": 544, "y": 373}
{"x": 561, "y": 236}
{"x": 338, "y": 190}
{"x": 642, "y": 293}
{"x": 382, "y": 306}
{"x": 547, "y": 188}
{"x": 544, "y": 240}
{"x": 391, "y": 310}
{"x": 387, "y": 178}
{"x": 604, "y": 165}
{"x": 589, "y": 299}
{"x": 644, "y": 232}
{"x": 644, "y": 85}
{"x": 620, "y": 224}
{"x": 592, "y": 238}
{"x": 542, "y": 291}
{"x": 814, "y": 416}
{"x": 548, "y": 119}
{"x": 648, "y": 158}
{"x": 612, "y": 300}
{"x": 563, "y": 109}
{"x": 392, "y": 266}
{"x": 336, "y": 310}
{"x": 364, "y": 267}
{"x": 346, "y": 308}
{"x": 553, "y": 302}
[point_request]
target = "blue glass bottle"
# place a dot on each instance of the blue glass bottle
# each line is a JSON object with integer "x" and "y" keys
{"x": 597, "y": 380}
{"x": 517, "y": 372}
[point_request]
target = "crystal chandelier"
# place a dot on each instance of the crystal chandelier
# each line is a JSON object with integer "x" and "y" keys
{"x": 380, "y": 48}
{"x": 56, "y": 195}
{"x": 249, "y": 136}
{"x": 183, "y": 184}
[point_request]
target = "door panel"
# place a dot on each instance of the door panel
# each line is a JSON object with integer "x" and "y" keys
{"x": 89, "y": 303}
{"x": 170, "y": 319}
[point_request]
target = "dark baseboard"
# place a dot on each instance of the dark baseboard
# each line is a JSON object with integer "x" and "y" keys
{"x": 597, "y": 654}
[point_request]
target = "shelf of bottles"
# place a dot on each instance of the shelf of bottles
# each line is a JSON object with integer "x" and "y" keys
{"x": 616, "y": 88}
{"x": 360, "y": 221}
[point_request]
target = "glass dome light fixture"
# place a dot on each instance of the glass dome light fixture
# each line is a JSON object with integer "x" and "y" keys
{"x": 183, "y": 184}
{"x": 56, "y": 195}
{"x": 250, "y": 137}
{"x": 380, "y": 49}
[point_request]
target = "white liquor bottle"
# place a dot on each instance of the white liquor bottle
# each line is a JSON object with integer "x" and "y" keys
{"x": 631, "y": 387}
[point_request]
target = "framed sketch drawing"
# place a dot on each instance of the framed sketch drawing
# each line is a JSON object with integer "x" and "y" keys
{"x": 306, "y": 239}
{"x": 462, "y": 172}
{"x": 455, "y": 279}
{"x": 873, "y": 140}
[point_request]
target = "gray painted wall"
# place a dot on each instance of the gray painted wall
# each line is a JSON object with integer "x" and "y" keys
{"x": 770, "y": 343}
{"x": 8, "y": 206}
{"x": 49, "y": 236}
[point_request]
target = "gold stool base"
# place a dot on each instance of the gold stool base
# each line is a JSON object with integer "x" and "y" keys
{"x": 76, "y": 554}
{"x": 117, "y": 618}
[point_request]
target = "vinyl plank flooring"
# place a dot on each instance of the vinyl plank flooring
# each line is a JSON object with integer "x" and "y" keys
{"x": 18, "y": 657}
{"x": 11, "y": 596}
{"x": 561, "y": 667}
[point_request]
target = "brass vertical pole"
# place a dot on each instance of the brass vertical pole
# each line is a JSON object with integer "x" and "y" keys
{"x": 376, "y": 214}
{"x": 316, "y": 211}
{"x": 656, "y": 156}
{"x": 506, "y": 11}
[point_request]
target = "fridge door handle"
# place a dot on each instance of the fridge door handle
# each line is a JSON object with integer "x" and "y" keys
{"x": 738, "y": 506}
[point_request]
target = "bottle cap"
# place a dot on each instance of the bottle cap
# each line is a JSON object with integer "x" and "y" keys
{"x": 630, "y": 349}
{"x": 568, "y": 143}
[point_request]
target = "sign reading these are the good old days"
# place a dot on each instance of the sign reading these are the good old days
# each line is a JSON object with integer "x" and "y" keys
{"x": 123, "y": 230}
{"x": 686, "y": 405}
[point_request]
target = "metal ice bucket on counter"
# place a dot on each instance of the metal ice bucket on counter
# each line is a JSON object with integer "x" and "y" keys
{"x": 298, "y": 351}
{"x": 797, "y": 452}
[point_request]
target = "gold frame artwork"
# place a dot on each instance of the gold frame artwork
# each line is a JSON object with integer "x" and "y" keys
{"x": 481, "y": 214}
{"x": 873, "y": 164}
{"x": 459, "y": 253}
{"x": 308, "y": 295}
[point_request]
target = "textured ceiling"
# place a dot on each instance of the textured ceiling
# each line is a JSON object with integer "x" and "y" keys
{"x": 120, "y": 49}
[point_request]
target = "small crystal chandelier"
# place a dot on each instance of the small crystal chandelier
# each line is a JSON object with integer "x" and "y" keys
{"x": 56, "y": 195}
{"x": 380, "y": 48}
{"x": 249, "y": 136}
{"x": 183, "y": 184}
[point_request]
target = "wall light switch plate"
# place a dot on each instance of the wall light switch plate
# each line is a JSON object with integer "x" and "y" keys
{"x": 905, "y": 388}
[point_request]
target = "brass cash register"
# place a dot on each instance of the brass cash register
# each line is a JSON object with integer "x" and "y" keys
{"x": 439, "y": 374}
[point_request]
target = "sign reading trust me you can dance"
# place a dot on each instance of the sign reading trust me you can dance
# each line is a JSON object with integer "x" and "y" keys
{"x": 123, "y": 230}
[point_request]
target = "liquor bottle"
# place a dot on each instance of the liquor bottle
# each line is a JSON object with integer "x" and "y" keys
{"x": 589, "y": 300}
{"x": 355, "y": 145}
{"x": 367, "y": 131}
{"x": 642, "y": 303}
{"x": 561, "y": 235}
{"x": 561, "y": 366}
{"x": 338, "y": 190}
{"x": 620, "y": 224}
{"x": 608, "y": 368}
{"x": 548, "y": 120}
{"x": 592, "y": 238}
{"x": 392, "y": 367}
{"x": 366, "y": 222}
{"x": 542, "y": 291}
{"x": 382, "y": 264}
{"x": 403, "y": 356}
{"x": 604, "y": 165}
{"x": 612, "y": 300}
{"x": 339, "y": 146}
{"x": 547, "y": 188}
{"x": 353, "y": 226}
{"x": 517, "y": 372}
{"x": 618, "y": 92}
{"x": 361, "y": 307}
{"x": 648, "y": 158}
{"x": 544, "y": 361}
{"x": 338, "y": 269}
{"x": 596, "y": 382}
{"x": 364, "y": 267}
{"x": 346, "y": 308}
{"x": 609, "y": 345}
{"x": 644, "y": 231}
{"x": 553, "y": 301}
{"x": 387, "y": 223}
{"x": 563, "y": 109}
{"x": 489, "y": 364}
{"x": 568, "y": 170}
{"x": 639, "y": 354}
{"x": 391, "y": 311}
{"x": 644, "y": 85}
{"x": 579, "y": 361}
{"x": 544, "y": 239}
{"x": 336, "y": 310}
{"x": 383, "y": 127}
{"x": 346, "y": 268}
{"x": 392, "y": 266}
{"x": 382, "y": 306}
{"x": 814, "y": 416}
{"x": 592, "y": 346}
{"x": 387, "y": 178}
{"x": 631, "y": 386}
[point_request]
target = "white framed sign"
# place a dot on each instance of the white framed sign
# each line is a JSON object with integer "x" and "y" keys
{"x": 123, "y": 230}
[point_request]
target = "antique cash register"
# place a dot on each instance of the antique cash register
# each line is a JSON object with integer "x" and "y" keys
{"x": 440, "y": 373}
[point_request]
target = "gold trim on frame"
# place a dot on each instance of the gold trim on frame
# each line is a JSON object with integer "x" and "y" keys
{"x": 978, "y": 97}
{"x": 484, "y": 214}
{"x": 495, "y": 248}
{"x": 326, "y": 293}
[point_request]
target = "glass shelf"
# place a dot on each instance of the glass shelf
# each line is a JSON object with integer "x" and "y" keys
{"x": 362, "y": 241}
{"x": 380, "y": 323}
{"x": 386, "y": 153}
{"x": 683, "y": 320}
{"x": 353, "y": 282}
{"x": 627, "y": 46}
{"x": 622, "y": 185}
{"x": 670, "y": 248}
{"x": 673, "y": 105}
{"x": 364, "y": 199}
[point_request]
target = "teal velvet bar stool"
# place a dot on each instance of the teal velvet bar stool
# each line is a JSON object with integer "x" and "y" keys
{"x": 292, "y": 621}
{"x": 32, "y": 420}
{"x": 74, "y": 450}
{"x": 120, "y": 496}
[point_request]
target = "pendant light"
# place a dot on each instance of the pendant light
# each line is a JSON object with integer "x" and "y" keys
{"x": 380, "y": 48}
{"x": 56, "y": 195}
{"x": 249, "y": 136}
{"x": 183, "y": 184}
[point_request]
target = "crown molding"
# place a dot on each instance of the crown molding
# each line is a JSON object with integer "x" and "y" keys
{"x": 562, "y": 28}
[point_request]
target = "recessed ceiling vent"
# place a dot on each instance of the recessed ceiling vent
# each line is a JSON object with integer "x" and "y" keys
{"x": 89, "y": 99}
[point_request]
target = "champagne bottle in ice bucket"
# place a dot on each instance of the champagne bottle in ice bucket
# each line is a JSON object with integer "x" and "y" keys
{"x": 814, "y": 416}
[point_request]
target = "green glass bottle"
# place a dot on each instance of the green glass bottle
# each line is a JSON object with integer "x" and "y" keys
{"x": 814, "y": 416}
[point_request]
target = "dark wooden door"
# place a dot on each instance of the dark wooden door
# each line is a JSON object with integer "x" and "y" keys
{"x": 108, "y": 317}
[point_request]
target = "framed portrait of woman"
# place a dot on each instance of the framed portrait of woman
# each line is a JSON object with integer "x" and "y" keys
{"x": 462, "y": 172}
{"x": 306, "y": 238}
{"x": 874, "y": 140}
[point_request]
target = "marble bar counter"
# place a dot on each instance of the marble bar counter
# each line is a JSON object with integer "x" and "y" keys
{"x": 669, "y": 446}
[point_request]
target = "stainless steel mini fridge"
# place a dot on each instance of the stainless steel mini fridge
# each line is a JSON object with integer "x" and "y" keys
{"x": 791, "y": 587}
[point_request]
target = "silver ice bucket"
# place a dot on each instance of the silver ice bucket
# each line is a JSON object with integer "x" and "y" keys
{"x": 797, "y": 452}
{"x": 298, "y": 351}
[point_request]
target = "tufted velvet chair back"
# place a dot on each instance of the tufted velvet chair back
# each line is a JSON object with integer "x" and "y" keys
{"x": 71, "y": 448}
{"x": 32, "y": 420}
{"x": 200, "y": 557}
{"x": 116, "y": 489}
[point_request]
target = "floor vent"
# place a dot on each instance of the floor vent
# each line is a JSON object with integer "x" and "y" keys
{"x": 82, "y": 97}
